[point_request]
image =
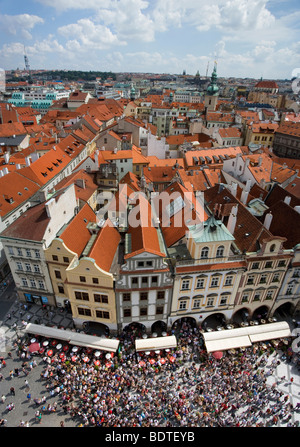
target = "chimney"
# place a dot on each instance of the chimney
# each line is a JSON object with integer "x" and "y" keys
{"x": 232, "y": 219}
{"x": 50, "y": 205}
{"x": 259, "y": 161}
{"x": 248, "y": 185}
{"x": 296, "y": 208}
{"x": 287, "y": 200}
{"x": 5, "y": 171}
{"x": 244, "y": 196}
{"x": 268, "y": 220}
{"x": 233, "y": 189}
{"x": 6, "y": 157}
{"x": 18, "y": 166}
{"x": 27, "y": 160}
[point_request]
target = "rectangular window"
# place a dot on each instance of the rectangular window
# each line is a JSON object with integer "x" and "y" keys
{"x": 196, "y": 303}
{"x": 61, "y": 289}
{"x": 269, "y": 265}
{"x": 200, "y": 283}
{"x": 143, "y": 296}
{"x": 126, "y": 313}
{"x": 255, "y": 265}
{"x": 57, "y": 274}
{"x": 143, "y": 311}
{"x": 54, "y": 258}
{"x": 159, "y": 310}
{"x": 82, "y": 279}
{"x": 245, "y": 297}
{"x": 182, "y": 305}
{"x": 145, "y": 280}
{"x": 66, "y": 259}
{"x": 256, "y": 296}
{"x": 95, "y": 281}
{"x": 24, "y": 282}
{"x": 210, "y": 301}
{"x": 161, "y": 295}
{"x": 37, "y": 253}
{"x": 185, "y": 285}
{"x": 269, "y": 294}
{"x": 19, "y": 266}
{"x": 36, "y": 268}
{"x": 223, "y": 300}
{"x": 250, "y": 279}
{"x": 27, "y": 267}
{"x": 98, "y": 298}
{"x": 84, "y": 311}
{"x": 214, "y": 281}
{"x": 10, "y": 250}
{"x": 263, "y": 279}
{"x": 275, "y": 277}
{"x": 281, "y": 264}
{"x": 289, "y": 290}
{"x": 28, "y": 253}
{"x": 228, "y": 280}
{"x": 154, "y": 280}
{"x": 32, "y": 283}
{"x": 126, "y": 296}
{"x": 82, "y": 296}
{"x": 41, "y": 284}
{"x": 19, "y": 251}
{"x": 134, "y": 282}
{"x": 102, "y": 314}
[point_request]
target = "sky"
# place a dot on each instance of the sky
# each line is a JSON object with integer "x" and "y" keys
{"x": 247, "y": 38}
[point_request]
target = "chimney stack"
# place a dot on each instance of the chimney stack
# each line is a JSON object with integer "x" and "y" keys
{"x": 287, "y": 200}
{"x": 268, "y": 220}
{"x": 232, "y": 219}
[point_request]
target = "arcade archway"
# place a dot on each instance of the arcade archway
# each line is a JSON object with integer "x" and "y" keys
{"x": 284, "y": 311}
{"x": 182, "y": 324}
{"x": 213, "y": 321}
{"x": 261, "y": 312}
{"x": 159, "y": 327}
{"x": 240, "y": 316}
{"x": 95, "y": 328}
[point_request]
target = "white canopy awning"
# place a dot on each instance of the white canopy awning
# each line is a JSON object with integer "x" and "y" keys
{"x": 245, "y": 336}
{"x": 227, "y": 343}
{"x": 150, "y": 344}
{"x": 74, "y": 338}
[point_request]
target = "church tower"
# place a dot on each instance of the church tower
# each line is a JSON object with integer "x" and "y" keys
{"x": 212, "y": 92}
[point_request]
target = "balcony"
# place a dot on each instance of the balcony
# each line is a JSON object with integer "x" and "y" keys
{"x": 216, "y": 260}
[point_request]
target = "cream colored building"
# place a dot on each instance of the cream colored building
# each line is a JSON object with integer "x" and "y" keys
{"x": 206, "y": 283}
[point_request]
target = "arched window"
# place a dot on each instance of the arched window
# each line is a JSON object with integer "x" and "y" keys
{"x": 220, "y": 251}
{"x": 204, "y": 253}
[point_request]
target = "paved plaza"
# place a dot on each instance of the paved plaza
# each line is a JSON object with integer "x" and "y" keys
{"x": 25, "y": 409}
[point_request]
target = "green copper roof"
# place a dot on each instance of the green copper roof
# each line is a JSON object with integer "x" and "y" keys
{"x": 210, "y": 231}
{"x": 213, "y": 88}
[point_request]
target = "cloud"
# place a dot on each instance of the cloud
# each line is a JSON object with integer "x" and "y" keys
{"x": 19, "y": 24}
{"x": 90, "y": 35}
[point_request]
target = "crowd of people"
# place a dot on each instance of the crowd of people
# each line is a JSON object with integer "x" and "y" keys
{"x": 182, "y": 387}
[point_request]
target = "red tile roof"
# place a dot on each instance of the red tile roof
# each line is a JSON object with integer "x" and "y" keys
{"x": 105, "y": 246}
{"x": 31, "y": 225}
{"x": 144, "y": 234}
{"x": 15, "y": 190}
{"x": 76, "y": 235}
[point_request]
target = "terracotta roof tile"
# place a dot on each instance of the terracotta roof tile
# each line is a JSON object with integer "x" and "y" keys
{"x": 105, "y": 247}
{"x": 77, "y": 235}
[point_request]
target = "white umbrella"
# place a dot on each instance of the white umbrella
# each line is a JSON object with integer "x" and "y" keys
{"x": 97, "y": 354}
{"x": 108, "y": 356}
{"x": 154, "y": 334}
